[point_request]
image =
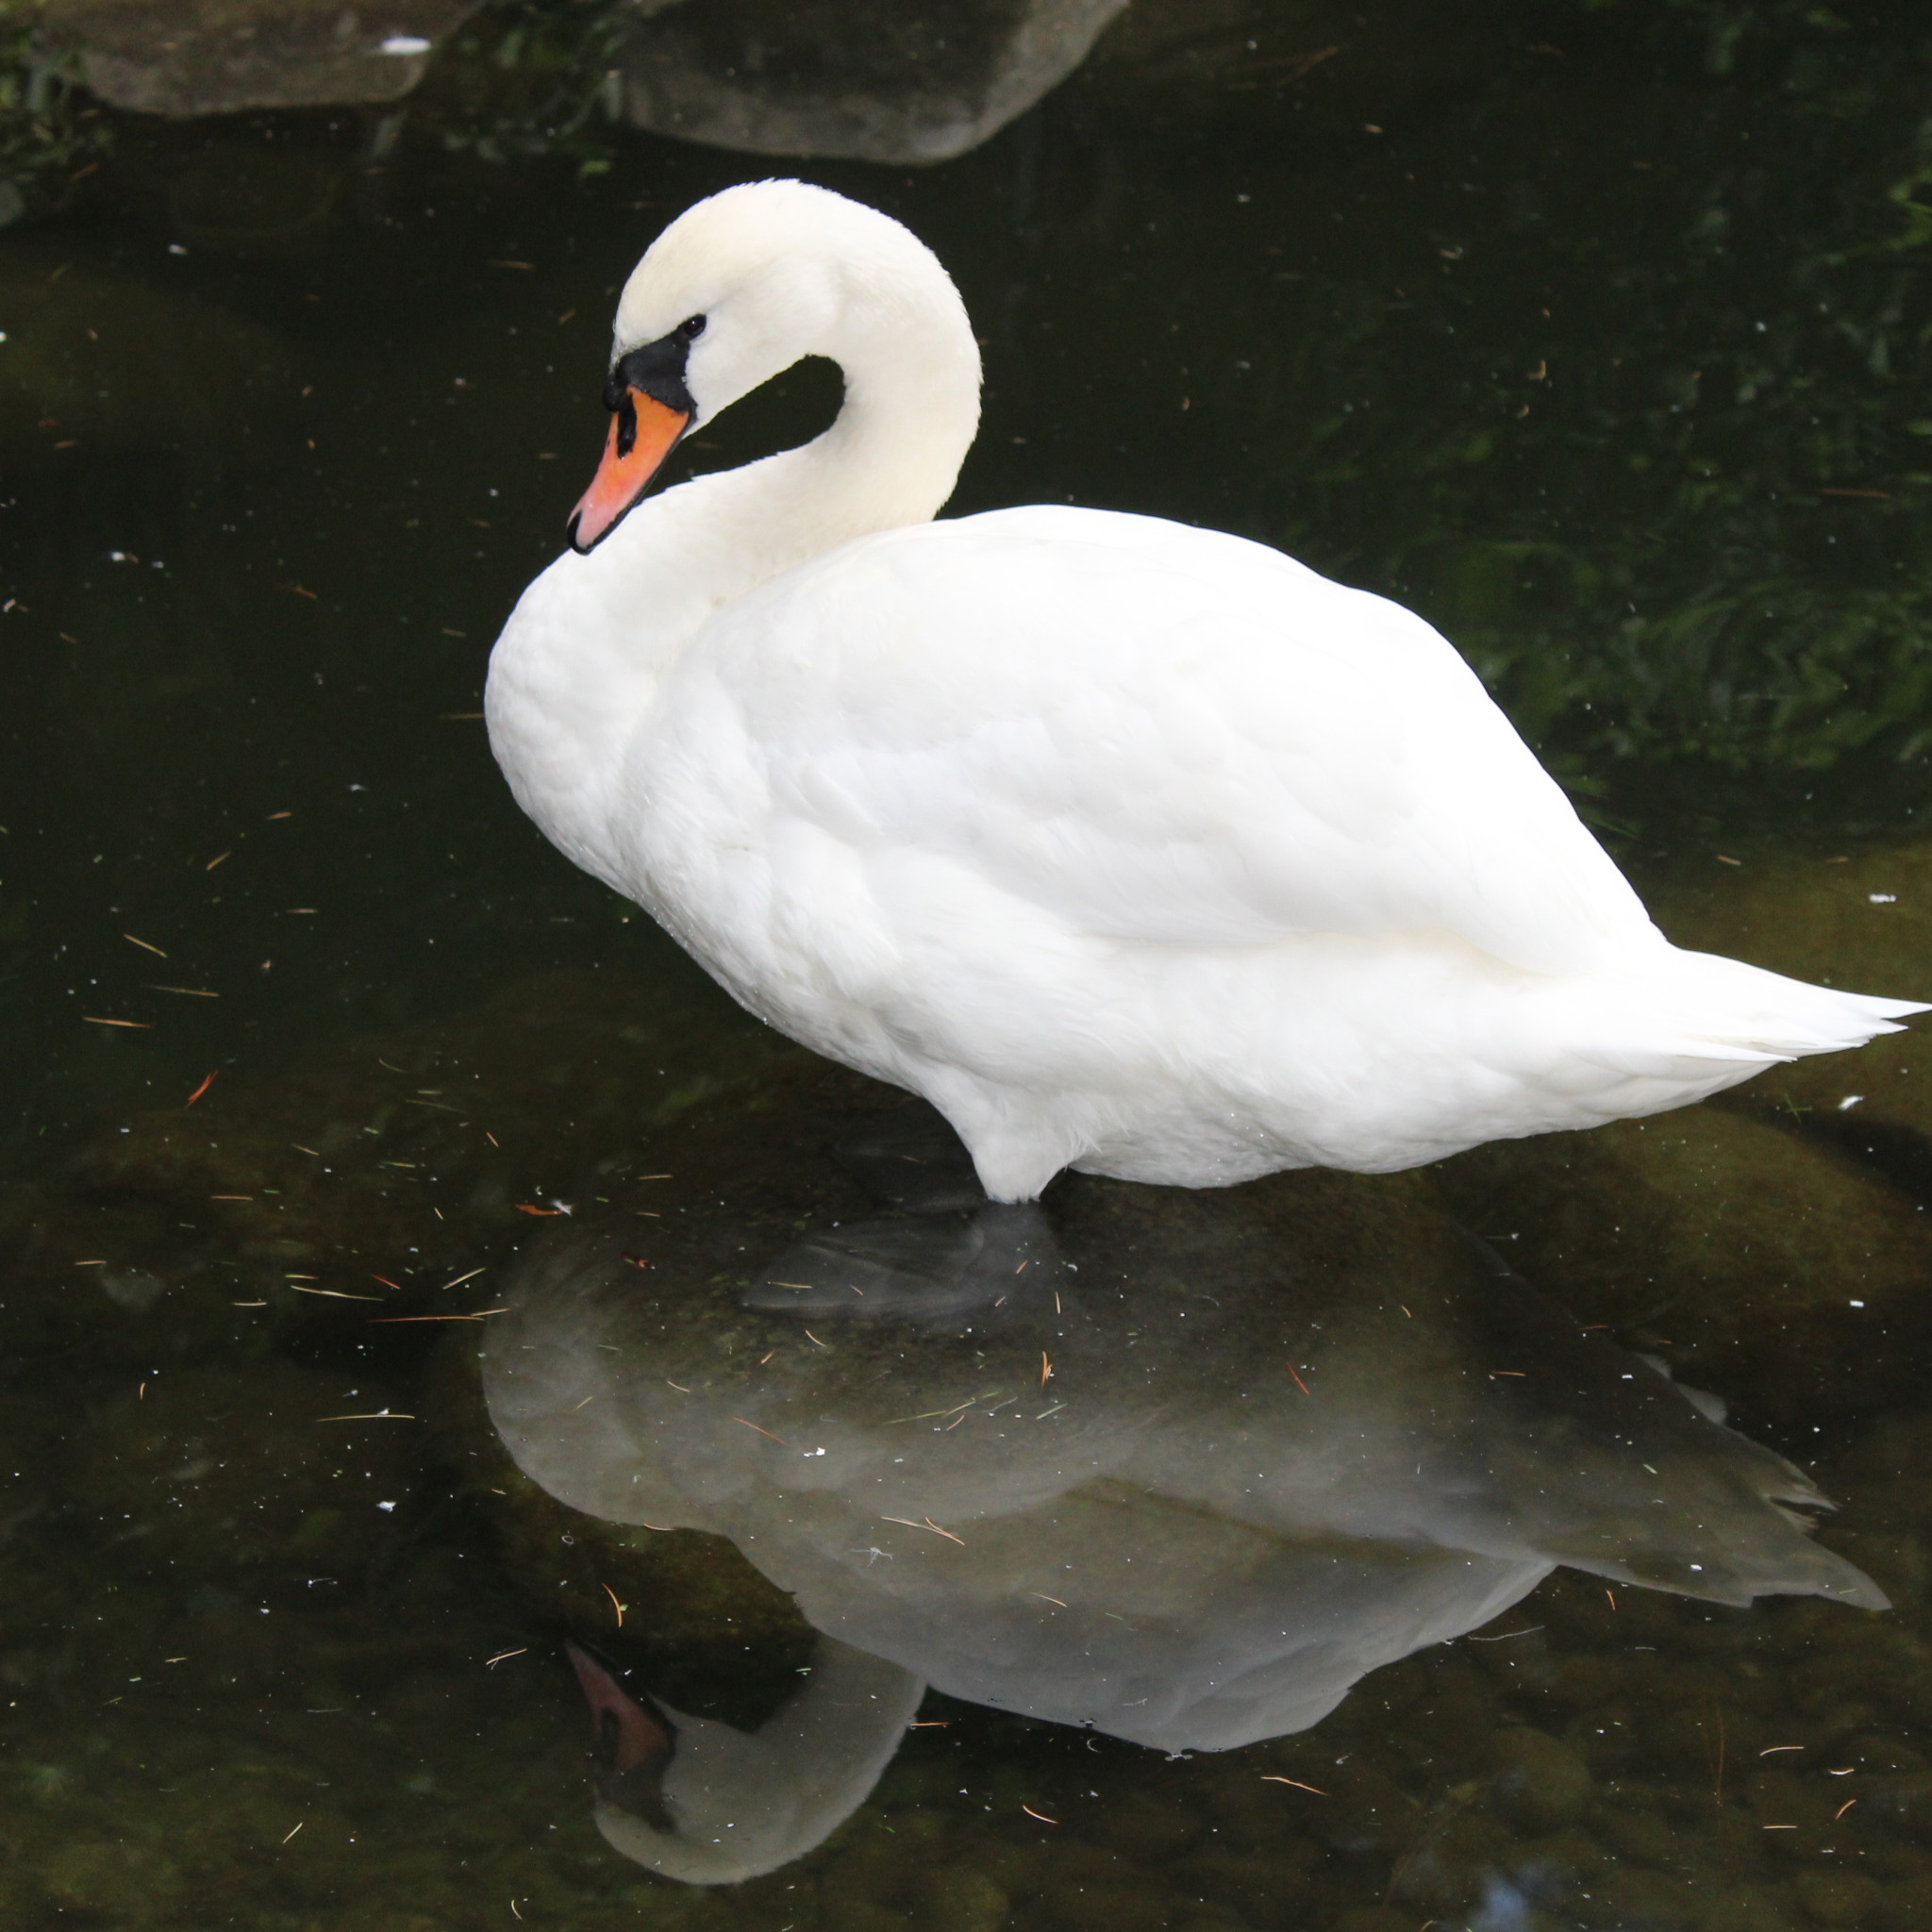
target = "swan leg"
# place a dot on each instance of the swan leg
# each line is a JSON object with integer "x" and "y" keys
{"x": 912, "y": 1159}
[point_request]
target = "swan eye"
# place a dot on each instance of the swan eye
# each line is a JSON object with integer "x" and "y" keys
{"x": 692, "y": 328}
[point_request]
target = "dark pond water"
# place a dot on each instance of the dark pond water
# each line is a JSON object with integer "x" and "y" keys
{"x": 1294, "y": 1569}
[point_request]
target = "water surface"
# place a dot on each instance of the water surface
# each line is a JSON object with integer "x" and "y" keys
{"x": 1598, "y": 335}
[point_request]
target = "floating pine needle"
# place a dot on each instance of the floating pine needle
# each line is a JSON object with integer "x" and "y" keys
{"x": 193, "y": 993}
{"x": 928, "y": 1523}
{"x": 1842, "y": 1809}
{"x": 1045, "y": 1367}
{"x": 386, "y": 1282}
{"x": 490, "y": 1663}
{"x": 1040, "y": 1815}
{"x": 460, "y": 1279}
{"x": 374, "y": 1415}
{"x": 927, "y": 1414}
{"x": 543, "y": 1213}
{"x": 614, "y": 1603}
{"x": 293, "y": 1833}
{"x": 1045, "y": 1599}
{"x": 143, "y": 945}
{"x": 1772, "y": 1750}
{"x": 334, "y": 1293}
{"x": 1269, "y": 1778}
{"x": 143, "y": 1025}
{"x": 201, "y": 1090}
{"x": 779, "y": 1440}
{"x": 392, "y": 1321}
{"x": 1298, "y": 1382}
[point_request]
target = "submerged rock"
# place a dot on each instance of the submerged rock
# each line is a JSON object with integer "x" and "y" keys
{"x": 1864, "y": 922}
{"x": 381, "y": 1178}
{"x": 109, "y": 364}
{"x": 184, "y": 1481}
{"x": 1777, "y": 1273}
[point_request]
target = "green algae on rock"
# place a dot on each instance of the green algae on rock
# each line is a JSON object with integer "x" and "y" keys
{"x": 1849, "y": 920}
{"x": 1782, "y": 1276}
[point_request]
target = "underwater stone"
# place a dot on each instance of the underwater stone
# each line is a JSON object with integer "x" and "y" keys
{"x": 1734, "y": 1251}
{"x": 1750, "y": 1909}
{"x": 1541, "y": 1782}
{"x": 1840, "y": 1898}
{"x": 1864, "y": 924}
{"x": 956, "y": 1898}
{"x": 111, "y": 1876}
{"x": 1147, "y": 1826}
{"x": 1107, "y": 1906}
{"x": 109, "y": 361}
{"x": 186, "y": 1478}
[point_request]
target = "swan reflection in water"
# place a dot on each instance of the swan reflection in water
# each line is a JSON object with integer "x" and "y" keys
{"x": 1144, "y": 1461}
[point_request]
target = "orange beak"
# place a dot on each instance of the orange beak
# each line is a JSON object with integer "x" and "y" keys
{"x": 644, "y": 432}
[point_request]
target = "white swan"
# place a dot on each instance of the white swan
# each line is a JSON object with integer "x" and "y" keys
{"x": 1130, "y": 846}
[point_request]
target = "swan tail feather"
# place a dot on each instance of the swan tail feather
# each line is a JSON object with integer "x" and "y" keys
{"x": 1708, "y": 1022}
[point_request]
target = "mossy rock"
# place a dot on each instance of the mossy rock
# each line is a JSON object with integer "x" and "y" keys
{"x": 1774, "y": 1271}
{"x": 118, "y": 367}
{"x": 299, "y": 1203}
{"x": 186, "y": 1480}
{"x": 1862, "y": 921}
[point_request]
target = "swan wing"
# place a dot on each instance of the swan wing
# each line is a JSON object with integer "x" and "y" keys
{"x": 1157, "y": 734}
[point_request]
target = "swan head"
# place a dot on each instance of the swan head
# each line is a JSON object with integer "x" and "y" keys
{"x": 740, "y": 288}
{"x": 699, "y": 1801}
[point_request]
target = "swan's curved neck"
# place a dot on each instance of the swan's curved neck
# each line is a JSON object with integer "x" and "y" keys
{"x": 889, "y": 459}
{"x": 584, "y": 652}
{"x": 743, "y": 1804}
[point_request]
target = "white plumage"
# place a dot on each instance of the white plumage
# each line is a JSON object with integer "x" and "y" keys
{"x": 1132, "y": 847}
